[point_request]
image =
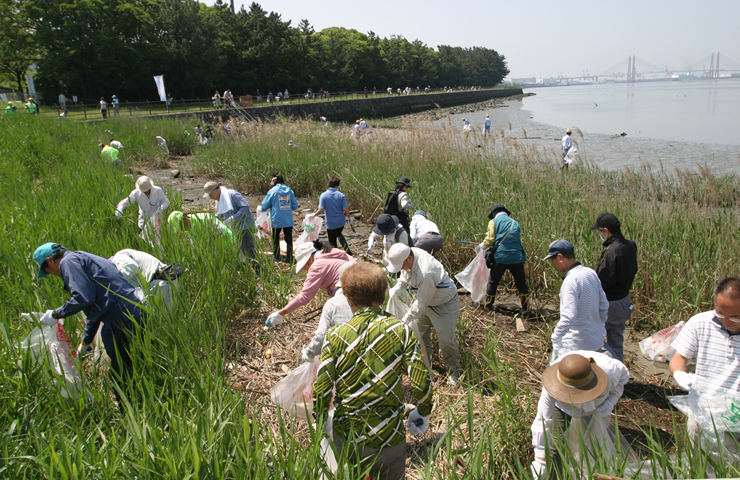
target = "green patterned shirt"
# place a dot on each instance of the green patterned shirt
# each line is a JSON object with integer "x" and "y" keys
{"x": 364, "y": 360}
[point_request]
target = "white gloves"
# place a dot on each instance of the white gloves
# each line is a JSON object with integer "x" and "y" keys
{"x": 417, "y": 424}
{"x": 274, "y": 319}
{"x": 538, "y": 469}
{"x": 605, "y": 409}
{"x": 43, "y": 317}
{"x": 84, "y": 350}
{"x": 119, "y": 213}
{"x": 305, "y": 356}
{"x": 370, "y": 243}
{"x": 684, "y": 380}
{"x": 393, "y": 292}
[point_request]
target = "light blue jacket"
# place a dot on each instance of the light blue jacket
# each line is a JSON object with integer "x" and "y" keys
{"x": 281, "y": 202}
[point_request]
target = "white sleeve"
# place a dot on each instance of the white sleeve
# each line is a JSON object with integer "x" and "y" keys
{"x": 618, "y": 377}
{"x": 414, "y": 231}
{"x": 126, "y": 202}
{"x": 603, "y": 305}
{"x": 542, "y": 424}
{"x": 403, "y": 201}
{"x": 165, "y": 202}
{"x": 568, "y": 310}
{"x": 326, "y": 321}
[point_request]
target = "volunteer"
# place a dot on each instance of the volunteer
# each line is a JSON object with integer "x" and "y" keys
{"x": 436, "y": 305}
{"x": 109, "y": 154}
{"x": 334, "y": 204}
{"x": 281, "y": 203}
{"x": 581, "y": 384}
{"x": 335, "y": 312}
{"x": 425, "y": 233}
{"x": 101, "y": 292}
{"x": 146, "y": 272}
{"x": 397, "y": 203}
{"x": 232, "y": 209}
{"x": 567, "y": 143}
{"x": 322, "y": 263}
{"x": 389, "y": 229}
{"x": 504, "y": 237}
{"x": 151, "y": 199}
{"x": 201, "y": 226}
{"x": 10, "y": 109}
{"x": 487, "y": 126}
{"x": 363, "y": 361}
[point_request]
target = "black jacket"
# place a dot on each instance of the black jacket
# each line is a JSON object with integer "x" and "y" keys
{"x": 617, "y": 266}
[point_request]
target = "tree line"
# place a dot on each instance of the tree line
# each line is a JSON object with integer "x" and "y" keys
{"x": 94, "y": 48}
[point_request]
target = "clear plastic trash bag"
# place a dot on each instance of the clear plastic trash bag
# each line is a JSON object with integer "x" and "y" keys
{"x": 475, "y": 276}
{"x": 263, "y": 223}
{"x": 658, "y": 346}
{"x": 294, "y": 393}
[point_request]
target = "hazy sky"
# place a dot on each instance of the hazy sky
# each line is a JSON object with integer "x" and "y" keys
{"x": 542, "y": 38}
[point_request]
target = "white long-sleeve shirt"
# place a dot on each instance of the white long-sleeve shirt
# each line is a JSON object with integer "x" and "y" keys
{"x": 155, "y": 203}
{"x": 430, "y": 281}
{"x": 567, "y": 143}
{"x": 583, "y": 312}
{"x": 420, "y": 225}
{"x": 336, "y": 311}
{"x": 618, "y": 376}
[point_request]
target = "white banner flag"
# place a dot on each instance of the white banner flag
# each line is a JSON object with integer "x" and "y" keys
{"x": 159, "y": 80}
{"x": 31, "y": 86}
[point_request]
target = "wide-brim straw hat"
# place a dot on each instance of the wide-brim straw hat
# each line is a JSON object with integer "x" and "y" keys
{"x": 575, "y": 380}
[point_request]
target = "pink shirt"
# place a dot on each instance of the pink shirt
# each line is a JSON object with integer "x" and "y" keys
{"x": 323, "y": 274}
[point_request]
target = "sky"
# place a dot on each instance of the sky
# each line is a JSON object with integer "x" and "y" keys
{"x": 545, "y": 38}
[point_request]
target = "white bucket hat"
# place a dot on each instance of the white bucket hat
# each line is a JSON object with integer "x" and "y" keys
{"x": 302, "y": 254}
{"x": 144, "y": 184}
{"x": 398, "y": 254}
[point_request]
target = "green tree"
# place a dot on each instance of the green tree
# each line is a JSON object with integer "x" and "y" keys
{"x": 18, "y": 48}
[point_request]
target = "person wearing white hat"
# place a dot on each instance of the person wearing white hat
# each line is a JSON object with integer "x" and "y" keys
{"x": 567, "y": 143}
{"x": 151, "y": 199}
{"x": 322, "y": 263}
{"x": 581, "y": 385}
{"x": 335, "y": 312}
{"x": 436, "y": 305}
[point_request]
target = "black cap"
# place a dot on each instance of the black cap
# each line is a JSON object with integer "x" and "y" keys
{"x": 606, "y": 220}
{"x": 405, "y": 181}
{"x": 498, "y": 208}
{"x": 386, "y": 224}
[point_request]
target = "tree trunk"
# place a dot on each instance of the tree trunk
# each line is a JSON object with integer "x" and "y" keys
{"x": 19, "y": 79}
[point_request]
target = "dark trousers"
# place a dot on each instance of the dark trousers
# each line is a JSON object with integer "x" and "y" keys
{"x": 497, "y": 272}
{"x": 288, "y": 234}
{"x": 335, "y": 234}
{"x": 247, "y": 246}
{"x": 389, "y": 463}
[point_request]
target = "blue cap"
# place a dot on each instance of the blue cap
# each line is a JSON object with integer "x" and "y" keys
{"x": 41, "y": 253}
{"x": 421, "y": 212}
{"x": 559, "y": 246}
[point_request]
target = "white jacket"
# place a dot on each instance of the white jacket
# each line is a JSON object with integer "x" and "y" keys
{"x": 420, "y": 225}
{"x": 430, "y": 281}
{"x": 155, "y": 203}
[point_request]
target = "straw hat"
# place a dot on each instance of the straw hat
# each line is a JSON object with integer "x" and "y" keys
{"x": 144, "y": 184}
{"x": 575, "y": 380}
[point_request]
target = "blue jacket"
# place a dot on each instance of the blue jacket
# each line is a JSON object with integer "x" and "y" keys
{"x": 281, "y": 202}
{"x": 240, "y": 216}
{"x": 99, "y": 290}
{"x": 510, "y": 251}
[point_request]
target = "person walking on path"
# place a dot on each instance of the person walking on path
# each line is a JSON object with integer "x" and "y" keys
{"x": 335, "y": 312}
{"x": 62, "y": 102}
{"x": 216, "y": 100}
{"x": 116, "y": 106}
{"x": 232, "y": 209}
{"x": 322, "y": 263}
{"x": 505, "y": 243}
{"x": 101, "y": 292}
{"x": 567, "y": 144}
{"x": 151, "y": 199}
{"x": 616, "y": 270}
{"x": 466, "y": 125}
{"x": 169, "y": 102}
{"x": 281, "y": 203}
{"x": 334, "y": 204}
{"x": 103, "y": 107}
{"x": 583, "y": 304}
{"x": 581, "y": 385}
{"x": 425, "y": 233}
{"x": 398, "y": 203}
{"x": 109, "y": 154}
{"x": 487, "y": 126}
{"x": 363, "y": 361}
{"x": 436, "y": 305}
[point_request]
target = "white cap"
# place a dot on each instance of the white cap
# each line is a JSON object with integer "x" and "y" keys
{"x": 343, "y": 269}
{"x": 398, "y": 254}
{"x": 302, "y": 254}
{"x": 144, "y": 184}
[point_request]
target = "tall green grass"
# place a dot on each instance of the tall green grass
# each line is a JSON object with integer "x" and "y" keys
{"x": 181, "y": 418}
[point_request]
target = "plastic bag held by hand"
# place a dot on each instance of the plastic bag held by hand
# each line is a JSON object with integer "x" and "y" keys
{"x": 311, "y": 229}
{"x": 475, "y": 276}
{"x": 294, "y": 393}
{"x": 684, "y": 380}
{"x": 263, "y": 223}
{"x": 658, "y": 346}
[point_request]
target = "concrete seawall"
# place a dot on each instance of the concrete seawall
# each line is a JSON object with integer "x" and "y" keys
{"x": 380, "y": 105}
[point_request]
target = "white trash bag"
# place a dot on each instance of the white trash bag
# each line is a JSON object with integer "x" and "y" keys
{"x": 325, "y": 447}
{"x": 294, "y": 393}
{"x": 570, "y": 157}
{"x": 263, "y": 223}
{"x": 311, "y": 229}
{"x": 658, "y": 346}
{"x": 398, "y": 307}
{"x": 599, "y": 437}
{"x": 52, "y": 345}
{"x": 475, "y": 276}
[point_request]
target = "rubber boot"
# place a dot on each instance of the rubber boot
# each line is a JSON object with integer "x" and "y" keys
{"x": 488, "y": 302}
{"x": 525, "y": 302}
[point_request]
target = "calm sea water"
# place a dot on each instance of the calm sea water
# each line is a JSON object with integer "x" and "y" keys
{"x": 669, "y": 125}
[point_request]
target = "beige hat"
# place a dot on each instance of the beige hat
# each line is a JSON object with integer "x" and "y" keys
{"x": 575, "y": 380}
{"x": 397, "y": 254}
{"x": 343, "y": 269}
{"x": 569, "y": 131}
{"x": 302, "y": 254}
{"x": 144, "y": 184}
{"x": 208, "y": 188}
